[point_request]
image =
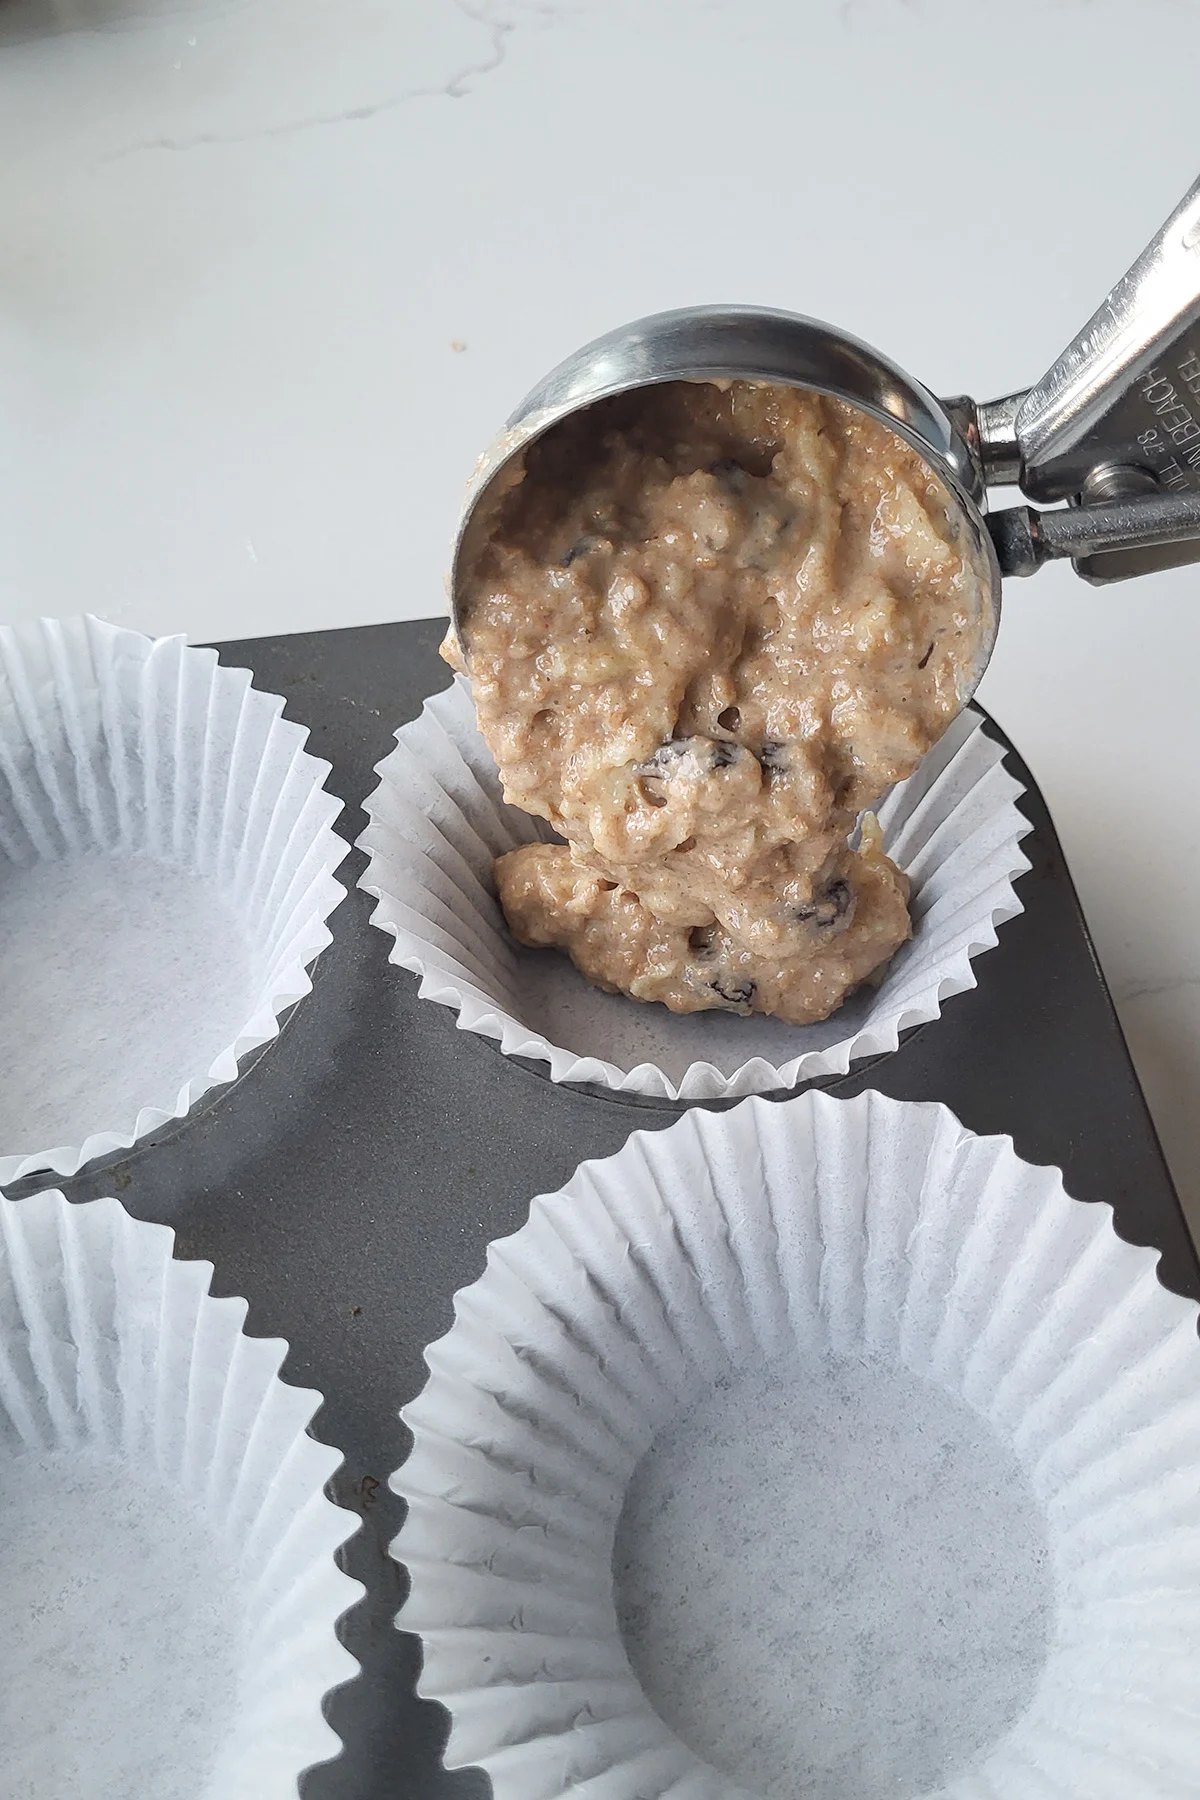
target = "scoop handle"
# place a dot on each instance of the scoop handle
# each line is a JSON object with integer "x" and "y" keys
{"x": 1126, "y": 391}
{"x": 1106, "y": 543}
{"x": 1113, "y": 427}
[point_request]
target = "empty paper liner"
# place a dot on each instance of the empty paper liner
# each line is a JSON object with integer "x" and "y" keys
{"x": 167, "y": 1555}
{"x": 166, "y": 873}
{"x": 438, "y": 820}
{"x": 813, "y": 1449}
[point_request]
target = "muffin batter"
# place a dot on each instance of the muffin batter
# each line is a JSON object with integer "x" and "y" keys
{"x": 707, "y": 625}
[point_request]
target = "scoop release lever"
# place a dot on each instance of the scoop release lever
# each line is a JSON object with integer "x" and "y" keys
{"x": 1113, "y": 428}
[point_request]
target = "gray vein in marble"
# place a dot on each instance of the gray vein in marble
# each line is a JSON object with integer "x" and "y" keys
{"x": 1146, "y": 990}
{"x": 457, "y": 87}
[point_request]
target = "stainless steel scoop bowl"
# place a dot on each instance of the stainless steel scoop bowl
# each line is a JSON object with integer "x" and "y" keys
{"x": 749, "y": 343}
{"x": 1112, "y": 429}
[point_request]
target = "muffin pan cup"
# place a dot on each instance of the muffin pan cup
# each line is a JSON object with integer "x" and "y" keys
{"x": 167, "y": 868}
{"x": 438, "y": 819}
{"x": 167, "y": 1556}
{"x": 873, "y": 1453}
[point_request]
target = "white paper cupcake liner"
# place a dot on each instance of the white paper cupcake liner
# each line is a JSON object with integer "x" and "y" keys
{"x": 872, "y": 1452}
{"x": 167, "y": 1563}
{"x": 166, "y": 873}
{"x": 438, "y": 820}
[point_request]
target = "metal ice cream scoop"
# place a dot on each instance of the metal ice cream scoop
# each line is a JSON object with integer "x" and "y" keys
{"x": 1112, "y": 429}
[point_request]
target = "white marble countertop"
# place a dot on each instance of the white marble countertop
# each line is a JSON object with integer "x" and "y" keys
{"x": 273, "y": 271}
